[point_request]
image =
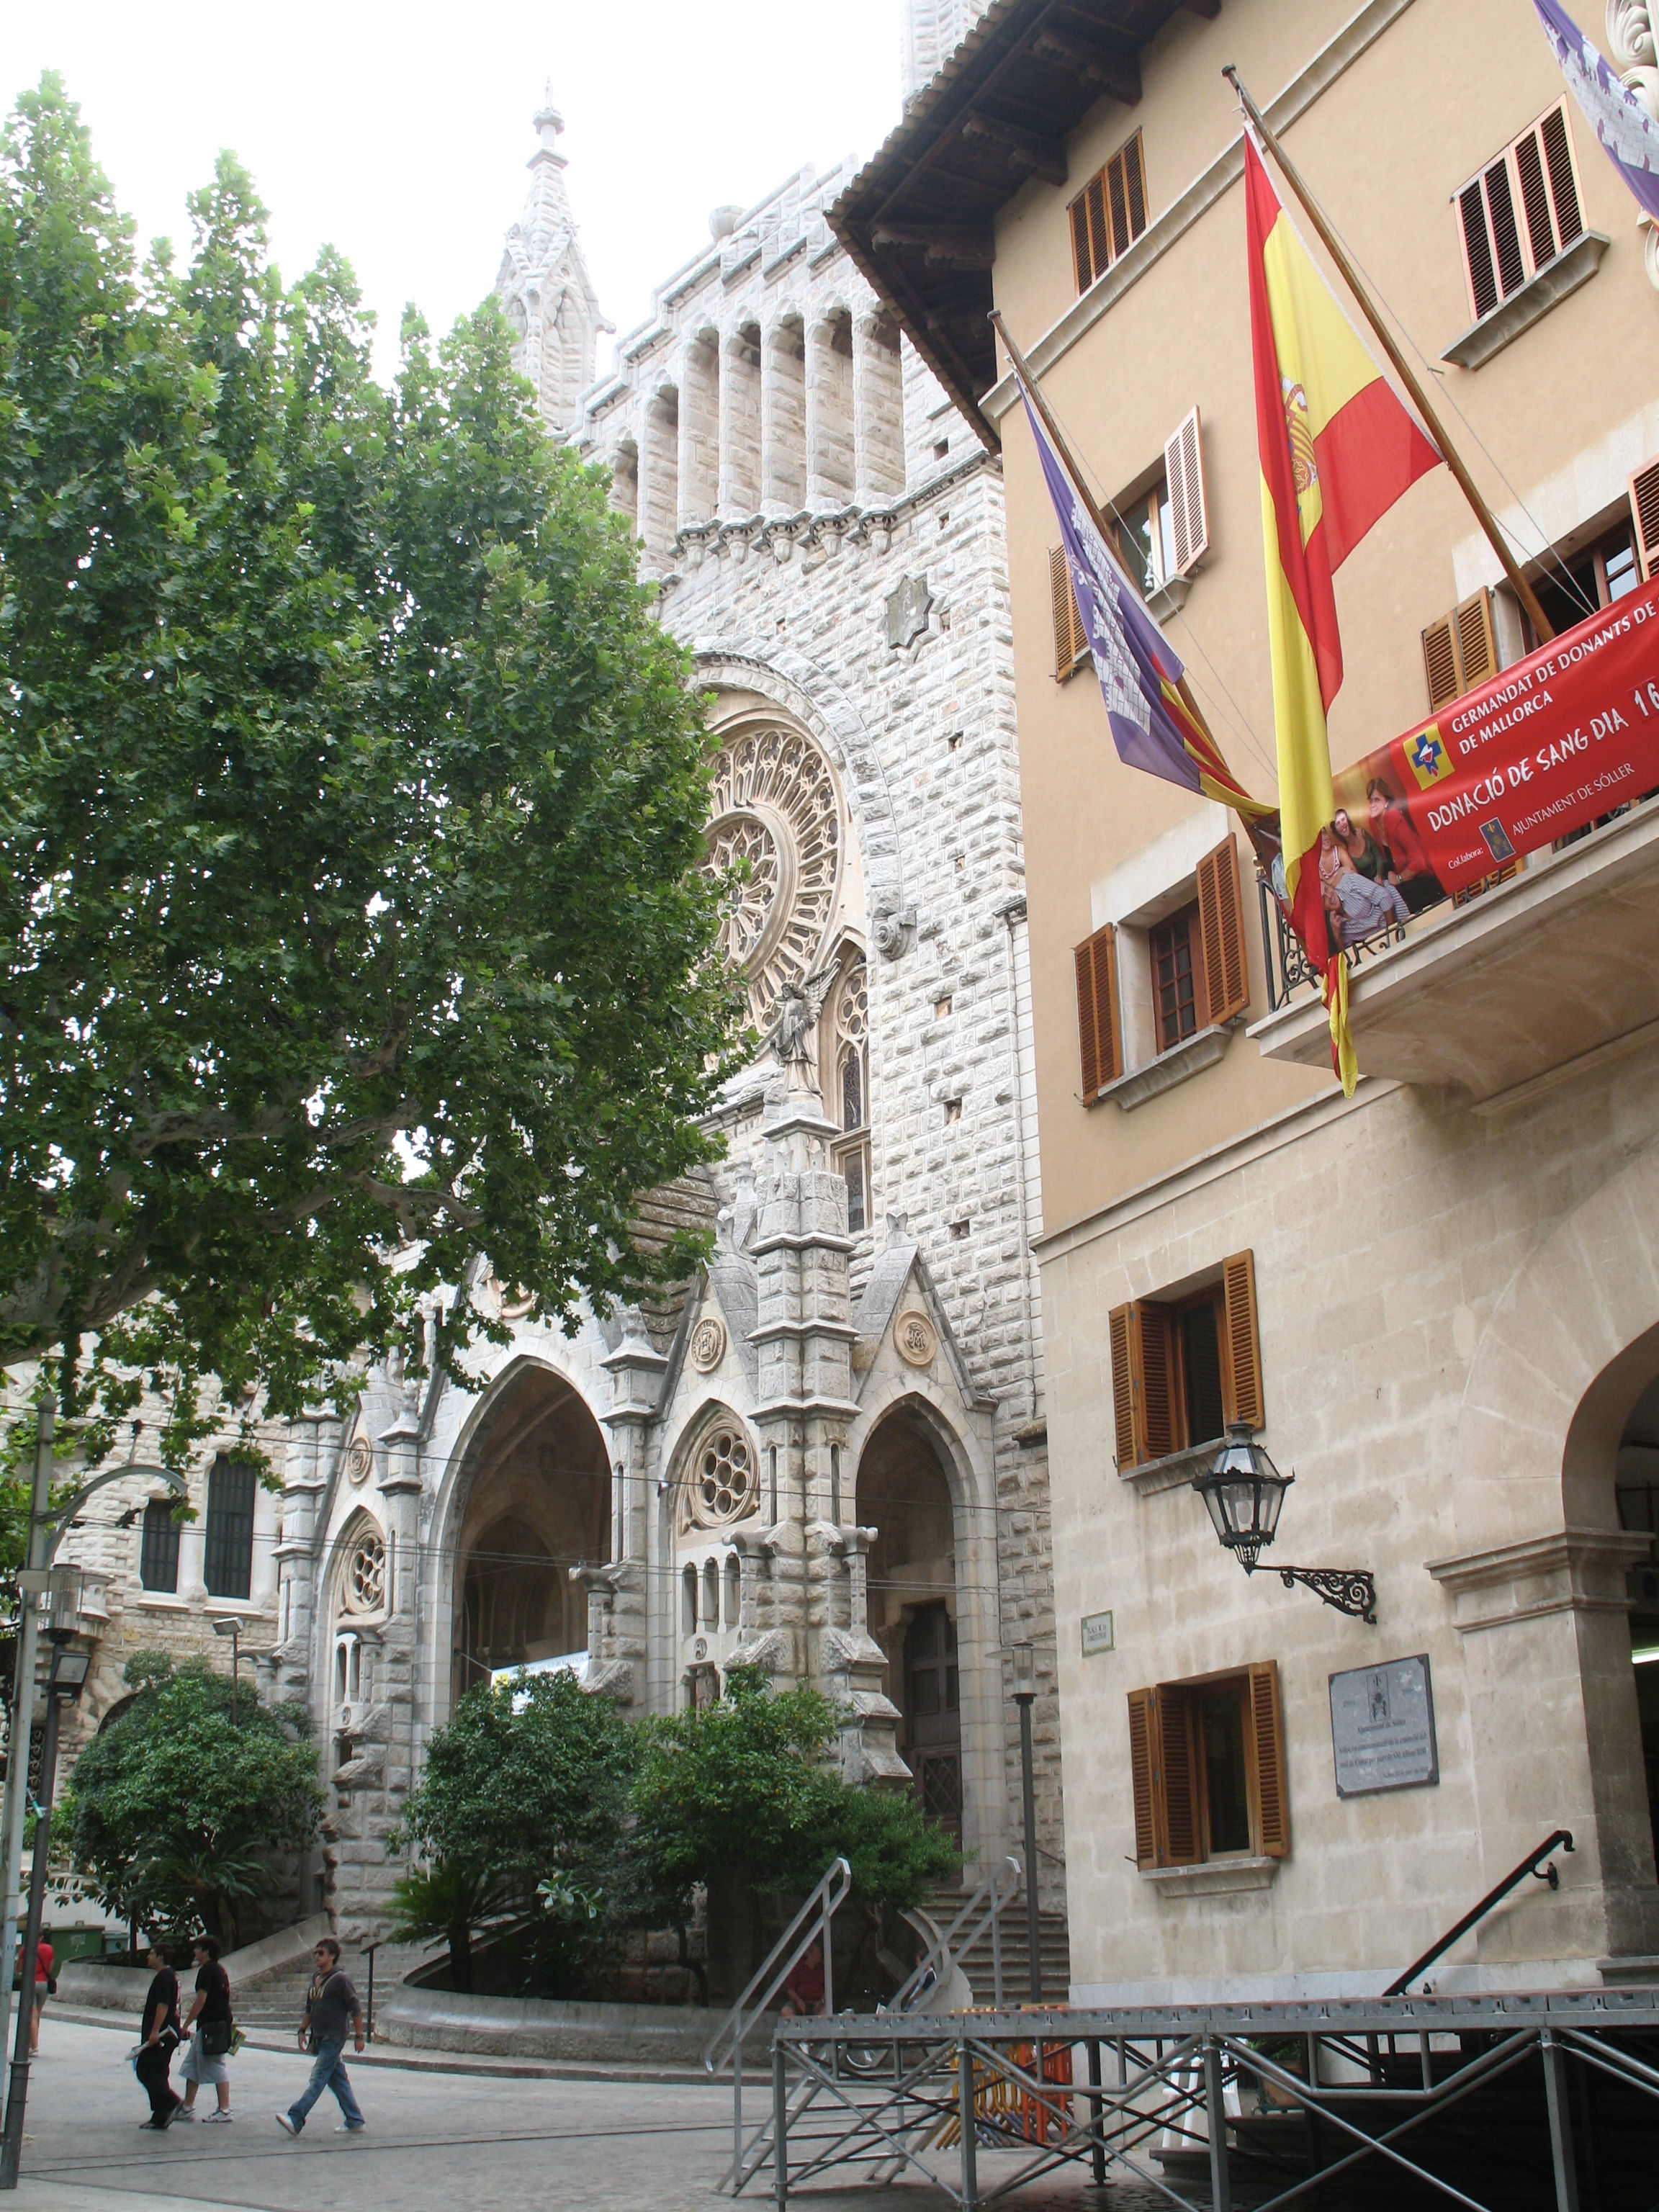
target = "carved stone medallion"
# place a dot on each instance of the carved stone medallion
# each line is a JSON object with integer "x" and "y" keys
{"x": 774, "y": 813}
{"x": 708, "y": 1344}
{"x": 916, "y": 1339}
{"x": 907, "y": 604}
{"x": 359, "y": 1460}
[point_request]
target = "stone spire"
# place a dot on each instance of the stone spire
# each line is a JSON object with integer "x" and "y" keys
{"x": 544, "y": 287}
{"x": 934, "y": 29}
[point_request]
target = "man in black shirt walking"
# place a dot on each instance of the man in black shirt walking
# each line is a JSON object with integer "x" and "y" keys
{"x": 332, "y": 2006}
{"x": 160, "y": 2031}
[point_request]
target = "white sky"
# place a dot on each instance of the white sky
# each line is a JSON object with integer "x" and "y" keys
{"x": 400, "y": 135}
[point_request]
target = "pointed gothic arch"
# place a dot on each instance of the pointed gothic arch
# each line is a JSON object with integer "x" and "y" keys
{"x": 531, "y": 1501}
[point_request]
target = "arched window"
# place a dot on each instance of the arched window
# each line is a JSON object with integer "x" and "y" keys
{"x": 849, "y": 1102}
{"x": 711, "y": 1595}
{"x": 734, "y": 1589}
{"x": 688, "y": 1600}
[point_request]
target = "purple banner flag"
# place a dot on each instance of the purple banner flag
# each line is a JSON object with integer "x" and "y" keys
{"x": 1132, "y": 660}
{"x": 1627, "y": 133}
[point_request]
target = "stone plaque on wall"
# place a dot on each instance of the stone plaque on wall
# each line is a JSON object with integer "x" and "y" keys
{"x": 1382, "y": 1728}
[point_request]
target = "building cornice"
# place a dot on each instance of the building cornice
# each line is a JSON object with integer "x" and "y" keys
{"x": 1360, "y": 33}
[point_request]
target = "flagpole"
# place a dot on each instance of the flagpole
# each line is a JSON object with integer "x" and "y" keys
{"x": 1096, "y": 515}
{"x": 1488, "y": 521}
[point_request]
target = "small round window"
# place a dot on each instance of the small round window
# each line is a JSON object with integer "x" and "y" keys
{"x": 722, "y": 1479}
{"x": 365, "y": 1576}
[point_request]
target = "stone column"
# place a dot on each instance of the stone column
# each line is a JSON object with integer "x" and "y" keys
{"x": 618, "y": 1598}
{"x": 804, "y": 1336}
{"x": 314, "y": 1440}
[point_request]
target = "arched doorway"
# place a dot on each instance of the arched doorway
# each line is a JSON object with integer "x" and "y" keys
{"x": 1638, "y": 1482}
{"x": 905, "y": 1495}
{"x": 537, "y": 1504}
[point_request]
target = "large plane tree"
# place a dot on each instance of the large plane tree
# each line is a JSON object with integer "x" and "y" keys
{"x": 351, "y": 809}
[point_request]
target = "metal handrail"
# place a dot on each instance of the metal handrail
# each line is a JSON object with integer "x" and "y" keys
{"x": 1562, "y": 1839}
{"x": 987, "y": 1901}
{"x": 824, "y": 1901}
{"x": 775, "y": 1969}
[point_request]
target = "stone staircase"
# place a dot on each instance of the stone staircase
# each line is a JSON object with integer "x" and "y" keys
{"x": 273, "y": 2002}
{"x": 944, "y": 1901}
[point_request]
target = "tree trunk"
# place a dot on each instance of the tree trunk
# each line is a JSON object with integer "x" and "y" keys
{"x": 460, "y": 1956}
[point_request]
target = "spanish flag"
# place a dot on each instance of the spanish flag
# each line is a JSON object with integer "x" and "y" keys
{"x": 1338, "y": 447}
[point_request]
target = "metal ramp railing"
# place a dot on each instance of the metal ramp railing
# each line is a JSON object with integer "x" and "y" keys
{"x": 790, "y": 2106}
{"x": 811, "y": 1924}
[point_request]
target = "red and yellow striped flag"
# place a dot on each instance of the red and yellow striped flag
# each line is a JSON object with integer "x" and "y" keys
{"x": 1338, "y": 447}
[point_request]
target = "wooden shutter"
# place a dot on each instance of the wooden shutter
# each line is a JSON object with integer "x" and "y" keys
{"x": 1125, "y": 194}
{"x": 1241, "y": 1343}
{"x": 1184, "y": 486}
{"x": 1159, "y": 1413}
{"x": 1108, "y": 213}
{"x": 1099, "y": 1031}
{"x": 1264, "y": 1761}
{"x": 1144, "y": 1413}
{"x": 1460, "y": 651}
{"x": 1091, "y": 244}
{"x": 1221, "y": 936}
{"x": 1120, "y": 1327}
{"x": 1644, "y": 514}
{"x": 1181, "y": 1842}
{"x": 1520, "y": 211}
{"x": 1071, "y": 639}
{"x": 1143, "y": 1790}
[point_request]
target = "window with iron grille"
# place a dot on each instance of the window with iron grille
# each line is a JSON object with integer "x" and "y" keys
{"x": 1109, "y": 213}
{"x": 227, "y": 1568}
{"x": 158, "y": 1547}
{"x": 1521, "y": 209}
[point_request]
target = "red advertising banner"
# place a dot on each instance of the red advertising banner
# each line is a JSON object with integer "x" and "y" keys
{"x": 1556, "y": 742}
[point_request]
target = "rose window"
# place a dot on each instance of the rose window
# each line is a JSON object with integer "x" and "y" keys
{"x": 365, "y": 1576}
{"x": 722, "y": 1480}
{"x": 750, "y": 898}
{"x": 773, "y": 804}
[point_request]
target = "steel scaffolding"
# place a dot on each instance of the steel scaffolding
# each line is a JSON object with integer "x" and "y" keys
{"x": 1494, "y": 2103}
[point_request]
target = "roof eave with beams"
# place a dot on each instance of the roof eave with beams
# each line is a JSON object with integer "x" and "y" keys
{"x": 919, "y": 219}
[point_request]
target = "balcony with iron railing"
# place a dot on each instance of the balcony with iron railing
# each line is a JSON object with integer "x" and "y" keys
{"x": 1545, "y": 969}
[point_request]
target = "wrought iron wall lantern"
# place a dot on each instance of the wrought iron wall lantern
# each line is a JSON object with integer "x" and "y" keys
{"x": 1244, "y": 1491}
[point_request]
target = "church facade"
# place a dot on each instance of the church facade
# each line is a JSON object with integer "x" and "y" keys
{"x": 825, "y": 1456}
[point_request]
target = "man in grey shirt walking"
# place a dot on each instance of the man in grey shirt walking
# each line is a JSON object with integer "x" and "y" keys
{"x": 331, "y": 2008}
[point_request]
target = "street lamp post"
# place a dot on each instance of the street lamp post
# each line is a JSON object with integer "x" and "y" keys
{"x": 64, "y": 1684}
{"x": 1024, "y": 1656}
{"x": 1243, "y": 1492}
{"x": 45, "y": 1529}
{"x": 231, "y": 1628}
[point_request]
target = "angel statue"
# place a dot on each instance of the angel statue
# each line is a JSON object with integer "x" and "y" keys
{"x": 793, "y": 1026}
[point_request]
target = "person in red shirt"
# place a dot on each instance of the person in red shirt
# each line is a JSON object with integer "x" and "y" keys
{"x": 1392, "y": 829}
{"x": 802, "y": 1991}
{"x": 44, "y": 1958}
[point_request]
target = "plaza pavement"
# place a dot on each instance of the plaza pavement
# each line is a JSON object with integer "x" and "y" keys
{"x": 435, "y": 2143}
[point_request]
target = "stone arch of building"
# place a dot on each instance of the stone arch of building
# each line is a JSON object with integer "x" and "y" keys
{"x": 1559, "y": 1367}
{"x": 526, "y": 1498}
{"x": 895, "y": 1446}
{"x": 1539, "y": 1583}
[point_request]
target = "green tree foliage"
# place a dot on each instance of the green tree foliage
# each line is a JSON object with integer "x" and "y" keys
{"x": 176, "y": 1812}
{"x": 741, "y": 1787}
{"x": 350, "y": 822}
{"x": 507, "y": 1800}
{"x": 566, "y": 1811}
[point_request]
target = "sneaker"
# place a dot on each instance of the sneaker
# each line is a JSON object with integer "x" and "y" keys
{"x": 185, "y": 2112}
{"x": 351, "y": 2127}
{"x": 286, "y": 2124}
{"x": 217, "y": 2120}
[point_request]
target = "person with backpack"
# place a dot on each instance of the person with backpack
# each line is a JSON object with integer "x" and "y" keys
{"x": 331, "y": 2008}
{"x": 210, "y": 2044}
{"x": 158, "y": 2030}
